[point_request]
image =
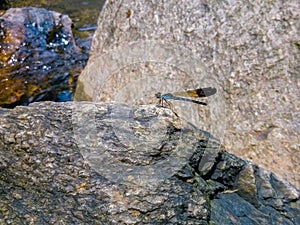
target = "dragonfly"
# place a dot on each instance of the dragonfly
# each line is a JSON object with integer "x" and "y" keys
{"x": 184, "y": 96}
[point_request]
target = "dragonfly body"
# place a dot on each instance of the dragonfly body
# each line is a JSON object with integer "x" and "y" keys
{"x": 197, "y": 93}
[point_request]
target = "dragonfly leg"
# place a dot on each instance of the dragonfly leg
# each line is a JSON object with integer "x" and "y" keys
{"x": 160, "y": 103}
{"x": 169, "y": 105}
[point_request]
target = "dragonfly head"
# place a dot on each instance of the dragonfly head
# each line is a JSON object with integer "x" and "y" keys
{"x": 158, "y": 95}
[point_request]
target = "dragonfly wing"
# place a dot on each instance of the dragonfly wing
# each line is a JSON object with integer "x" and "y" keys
{"x": 205, "y": 92}
{"x": 197, "y": 93}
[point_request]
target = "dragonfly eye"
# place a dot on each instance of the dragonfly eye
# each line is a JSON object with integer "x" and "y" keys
{"x": 158, "y": 95}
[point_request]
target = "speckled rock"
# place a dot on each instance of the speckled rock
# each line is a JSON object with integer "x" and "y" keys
{"x": 87, "y": 163}
{"x": 251, "y": 52}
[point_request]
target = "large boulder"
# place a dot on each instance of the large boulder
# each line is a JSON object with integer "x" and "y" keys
{"x": 85, "y": 163}
{"x": 251, "y": 52}
{"x": 39, "y": 58}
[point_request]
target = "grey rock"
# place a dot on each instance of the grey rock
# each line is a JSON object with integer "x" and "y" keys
{"x": 250, "y": 50}
{"x": 103, "y": 163}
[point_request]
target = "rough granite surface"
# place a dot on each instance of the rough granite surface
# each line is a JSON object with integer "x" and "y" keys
{"x": 50, "y": 172}
{"x": 250, "y": 48}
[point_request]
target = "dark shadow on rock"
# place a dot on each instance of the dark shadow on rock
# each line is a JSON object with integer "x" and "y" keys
{"x": 86, "y": 163}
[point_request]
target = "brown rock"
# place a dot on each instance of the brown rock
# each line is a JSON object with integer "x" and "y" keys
{"x": 38, "y": 56}
{"x": 87, "y": 163}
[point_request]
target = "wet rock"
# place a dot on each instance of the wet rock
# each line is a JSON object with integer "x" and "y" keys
{"x": 87, "y": 163}
{"x": 250, "y": 50}
{"x": 39, "y": 57}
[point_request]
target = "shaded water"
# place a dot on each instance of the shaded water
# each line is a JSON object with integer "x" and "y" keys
{"x": 84, "y": 13}
{"x": 54, "y": 78}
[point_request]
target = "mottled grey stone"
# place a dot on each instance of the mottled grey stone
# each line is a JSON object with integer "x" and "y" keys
{"x": 49, "y": 175}
{"x": 250, "y": 50}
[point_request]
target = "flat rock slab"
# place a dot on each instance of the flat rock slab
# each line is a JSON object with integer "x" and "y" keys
{"x": 87, "y": 163}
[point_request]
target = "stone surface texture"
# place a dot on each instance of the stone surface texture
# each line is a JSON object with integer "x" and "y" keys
{"x": 50, "y": 173}
{"x": 39, "y": 59}
{"x": 250, "y": 48}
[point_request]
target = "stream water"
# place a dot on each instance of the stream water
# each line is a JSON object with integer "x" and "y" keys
{"x": 84, "y": 13}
